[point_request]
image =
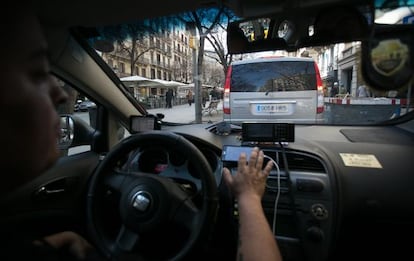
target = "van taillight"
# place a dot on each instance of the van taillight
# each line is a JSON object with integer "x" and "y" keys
{"x": 226, "y": 96}
{"x": 319, "y": 88}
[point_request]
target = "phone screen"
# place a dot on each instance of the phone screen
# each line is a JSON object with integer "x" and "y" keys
{"x": 232, "y": 153}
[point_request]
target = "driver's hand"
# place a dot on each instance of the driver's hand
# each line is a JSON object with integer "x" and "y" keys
{"x": 250, "y": 179}
{"x": 76, "y": 244}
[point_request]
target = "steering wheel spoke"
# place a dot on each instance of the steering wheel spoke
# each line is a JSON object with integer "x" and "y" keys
{"x": 126, "y": 240}
{"x": 187, "y": 215}
{"x": 117, "y": 180}
{"x": 181, "y": 173}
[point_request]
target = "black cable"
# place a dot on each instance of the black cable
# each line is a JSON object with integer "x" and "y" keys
{"x": 289, "y": 180}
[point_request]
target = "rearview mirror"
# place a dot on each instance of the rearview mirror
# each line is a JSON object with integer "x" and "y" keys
{"x": 300, "y": 28}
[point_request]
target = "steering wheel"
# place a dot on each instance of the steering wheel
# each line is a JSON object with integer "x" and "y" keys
{"x": 147, "y": 202}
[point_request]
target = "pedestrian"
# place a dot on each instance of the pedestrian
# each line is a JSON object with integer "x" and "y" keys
{"x": 190, "y": 97}
{"x": 168, "y": 98}
{"x": 362, "y": 91}
{"x": 334, "y": 89}
{"x": 214, "y": 94}
{"x": 204, "y": 97}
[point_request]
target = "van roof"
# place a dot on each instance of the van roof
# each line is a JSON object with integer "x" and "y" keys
{"x": 273, "y": 59}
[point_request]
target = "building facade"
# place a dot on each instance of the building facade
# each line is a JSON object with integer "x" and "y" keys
{"x": 164, "y": 56}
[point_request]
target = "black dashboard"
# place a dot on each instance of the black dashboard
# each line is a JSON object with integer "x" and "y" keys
{"x": 341, "y": 188}
{"x": 333, "y": 181}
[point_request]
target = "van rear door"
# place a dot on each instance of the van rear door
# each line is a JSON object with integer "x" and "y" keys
{"x": 277, "y": 90}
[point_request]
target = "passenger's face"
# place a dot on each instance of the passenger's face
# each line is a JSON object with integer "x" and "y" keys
{"x": 28, "y": 97}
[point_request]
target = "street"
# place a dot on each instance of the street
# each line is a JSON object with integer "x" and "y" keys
{"x": 186, "y": 114}
{"x": 177, "y": 114}
{"x": 335, "y": 112}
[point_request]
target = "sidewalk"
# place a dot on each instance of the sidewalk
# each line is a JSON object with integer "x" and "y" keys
{"x": 186, "y": 114}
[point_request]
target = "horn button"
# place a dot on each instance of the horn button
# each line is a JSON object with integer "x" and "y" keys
{"x": 146, "y": 205}
{"x": 142, "y": 200}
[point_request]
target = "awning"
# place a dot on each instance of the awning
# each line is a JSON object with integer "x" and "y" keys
{"x": 138, "y": 81}
{"x": 168, "y": 83}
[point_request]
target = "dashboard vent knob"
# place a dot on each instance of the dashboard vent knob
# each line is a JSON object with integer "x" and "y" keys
{"x": 319, "y": 211}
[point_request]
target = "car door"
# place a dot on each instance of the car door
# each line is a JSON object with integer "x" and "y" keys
{"x": 56, "y": 199}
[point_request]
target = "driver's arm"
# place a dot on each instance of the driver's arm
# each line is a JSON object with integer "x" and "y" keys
{"x": 256, "y": 240}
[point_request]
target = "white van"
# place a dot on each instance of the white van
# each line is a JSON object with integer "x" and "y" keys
{"x": 273, "y": 89}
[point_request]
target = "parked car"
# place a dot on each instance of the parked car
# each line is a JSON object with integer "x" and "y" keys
{"x": 282, "y": 89}
{"x": 76, "y": 105}
{"x": 340, "y": 190}
{"x": 86, "y": 105}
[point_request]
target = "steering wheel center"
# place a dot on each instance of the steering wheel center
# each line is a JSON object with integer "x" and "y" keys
{"x": 142, "y": 200}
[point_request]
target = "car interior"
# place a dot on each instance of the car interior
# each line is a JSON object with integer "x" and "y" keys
{"x": 338, "y": 191}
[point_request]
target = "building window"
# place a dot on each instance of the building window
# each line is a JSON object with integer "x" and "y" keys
{"x": 121, "y": 67}
{"x": 143, "y": 72}
{"x": 152, "y": 73}
{"x": 154, "y": 91}
{"x": 111, "y": 63}
{"x": 158, "y": 59}
{"x": 136, "y": 70}
{"x": 165, "y": 76}
{"x": 158, "y": 74}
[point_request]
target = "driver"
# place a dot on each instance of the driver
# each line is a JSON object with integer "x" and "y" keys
{"x": 31, "y": 127}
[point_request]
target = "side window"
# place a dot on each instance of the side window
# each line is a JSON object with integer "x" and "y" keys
{"x": 84, "y": 109}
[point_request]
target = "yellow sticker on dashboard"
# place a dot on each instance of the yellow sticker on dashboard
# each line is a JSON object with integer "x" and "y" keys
{"x": 360, "y": 160}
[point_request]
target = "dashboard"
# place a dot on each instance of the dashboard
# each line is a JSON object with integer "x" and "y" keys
{"x": 298, "y": 202}
{"x": 334, "y": 188}
{"x": 335, "y": 182}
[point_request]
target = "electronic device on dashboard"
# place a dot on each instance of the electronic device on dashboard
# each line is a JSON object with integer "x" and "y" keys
{"x": 142, "y": 123}
{"x": 268, "y": 132}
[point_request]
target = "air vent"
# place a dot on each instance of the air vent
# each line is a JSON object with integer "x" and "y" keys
{"x": 301, "y": 162}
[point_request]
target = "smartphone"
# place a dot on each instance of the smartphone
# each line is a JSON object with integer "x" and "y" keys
{"x": 232, "y": 153}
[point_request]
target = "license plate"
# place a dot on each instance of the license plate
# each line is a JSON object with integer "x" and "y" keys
{"x": 271, "y": 108}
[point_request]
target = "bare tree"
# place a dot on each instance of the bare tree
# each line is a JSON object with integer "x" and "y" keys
{"x": 212, "y": 73}
{"x": 217, "y": 41}
{"x": 205, "y": 21}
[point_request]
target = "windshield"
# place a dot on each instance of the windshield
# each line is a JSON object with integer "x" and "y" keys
{"x": 179, "y": 66}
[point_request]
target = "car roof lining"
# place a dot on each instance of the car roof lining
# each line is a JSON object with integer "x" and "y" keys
{"x": 99, "y": 13}
{"x": 74, "y": 65}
